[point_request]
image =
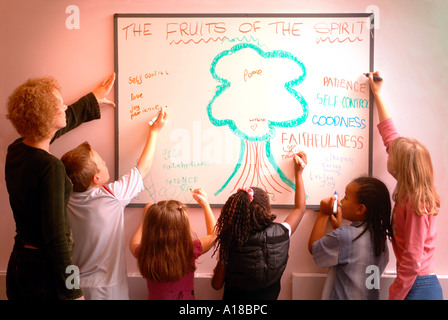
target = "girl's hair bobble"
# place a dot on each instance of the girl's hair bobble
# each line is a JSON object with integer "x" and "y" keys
{"x": 249, "y": 191}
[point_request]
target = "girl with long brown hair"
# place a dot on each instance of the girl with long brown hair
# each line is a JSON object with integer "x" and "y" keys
{"x": 166, "y": 248}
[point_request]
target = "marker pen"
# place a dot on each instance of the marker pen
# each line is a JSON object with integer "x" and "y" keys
{"x": 375, "y": 78}
{"x": 154, "y": 119}
{"x": 302, "y": 163}
{"x": 335, "y": 203}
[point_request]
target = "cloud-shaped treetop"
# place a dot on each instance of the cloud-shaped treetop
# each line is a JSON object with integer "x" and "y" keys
{"x": 257, "y": 92}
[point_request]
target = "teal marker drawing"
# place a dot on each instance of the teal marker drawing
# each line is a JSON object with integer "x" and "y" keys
{"x": 249, "y": 140}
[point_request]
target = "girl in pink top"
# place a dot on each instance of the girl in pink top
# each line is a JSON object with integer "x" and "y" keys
{"x": 416, "y": 206}
{"x": 166, "y": 251}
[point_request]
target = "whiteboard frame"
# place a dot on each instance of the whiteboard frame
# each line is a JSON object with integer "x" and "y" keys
{"x": 117, "y": 16}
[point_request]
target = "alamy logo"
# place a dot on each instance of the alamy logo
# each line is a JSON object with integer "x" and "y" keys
{"x": 72, "y": 281}
{"x": 72, "y": 21}
{"x": 373, "y": 280}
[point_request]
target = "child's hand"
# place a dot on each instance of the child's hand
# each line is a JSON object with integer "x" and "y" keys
{"x": 200, "y": 196}
{"x": 326, "y": 206}
{"x": 375, "y": 86}
{"x": 300, "y": 161}
{"x": 336, "y": 220}
{"x": 161, "y": 120}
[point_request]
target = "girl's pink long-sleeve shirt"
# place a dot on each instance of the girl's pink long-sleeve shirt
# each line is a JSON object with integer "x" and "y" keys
{"x": 414, "y": 235}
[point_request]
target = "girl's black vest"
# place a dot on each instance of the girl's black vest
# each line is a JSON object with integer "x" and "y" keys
{"x": 261, "y": 261}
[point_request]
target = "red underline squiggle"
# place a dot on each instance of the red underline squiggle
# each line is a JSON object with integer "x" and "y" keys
{"x": 198, "y": 41}
{"x": 337, "y": 39}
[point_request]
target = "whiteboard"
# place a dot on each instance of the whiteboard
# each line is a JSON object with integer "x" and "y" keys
{"x": 244, "y": 92}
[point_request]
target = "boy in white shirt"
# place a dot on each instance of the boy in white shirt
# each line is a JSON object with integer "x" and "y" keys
{"x": 95, "y": 213}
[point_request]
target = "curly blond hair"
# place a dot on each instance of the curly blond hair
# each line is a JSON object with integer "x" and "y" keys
{"x": 32, "y": 107}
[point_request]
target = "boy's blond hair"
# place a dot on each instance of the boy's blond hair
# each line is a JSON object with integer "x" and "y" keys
{"x": 80, "y": 167}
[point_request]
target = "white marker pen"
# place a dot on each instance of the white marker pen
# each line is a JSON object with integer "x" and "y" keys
{"x": 199, "y": 196}
{"x": 302, "y": 163}
{"x": 154, "y": 119}
{"x": 335, "y": 203}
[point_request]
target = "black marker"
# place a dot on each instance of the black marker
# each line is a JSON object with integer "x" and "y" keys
{"x": 375, "y": 78}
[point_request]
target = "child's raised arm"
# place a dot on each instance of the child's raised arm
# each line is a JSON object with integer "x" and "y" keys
{"x": 207, "y": 241}
{"x": 320, "y": 226}
{"x": 375, "y": 86}
{"x": 136, "y": 239}
{"x": 296, "y": 215}
{"x": 145, "y": 161}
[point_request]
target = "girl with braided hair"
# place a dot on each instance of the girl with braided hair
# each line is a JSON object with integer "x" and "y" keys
{"x": 252, "y": 248}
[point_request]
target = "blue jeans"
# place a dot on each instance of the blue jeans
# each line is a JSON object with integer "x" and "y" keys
{"x": 425, "y": 288}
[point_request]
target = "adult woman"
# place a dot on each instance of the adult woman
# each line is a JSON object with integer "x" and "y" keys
{"x": 39, "y": 188}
